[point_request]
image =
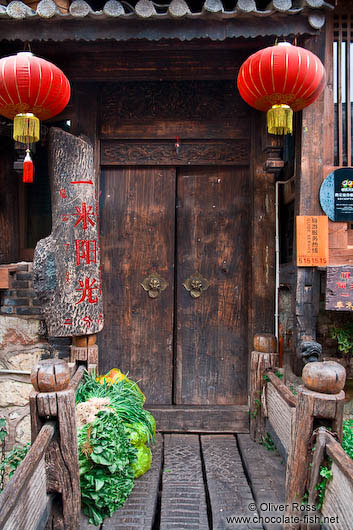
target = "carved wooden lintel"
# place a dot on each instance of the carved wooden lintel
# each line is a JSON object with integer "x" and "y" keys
{"x": 226, "y": 152}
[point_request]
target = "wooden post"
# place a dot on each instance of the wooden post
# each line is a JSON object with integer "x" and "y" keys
{"x": 62, "y": 455}
{"x": 260, "y": 361}
{"x": 84, "y": 350}
{"x": 313, "y": 408}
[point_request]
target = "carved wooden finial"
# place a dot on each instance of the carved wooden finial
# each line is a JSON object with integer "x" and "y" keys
{"x": 265, "y": 342}
{"x": 327, "y": 377}
{"x": 50, "y": 375}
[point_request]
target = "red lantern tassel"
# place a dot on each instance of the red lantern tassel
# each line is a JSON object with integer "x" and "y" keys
{"x": 27, "y": 168}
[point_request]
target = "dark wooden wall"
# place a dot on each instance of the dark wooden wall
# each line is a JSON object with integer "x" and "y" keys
{"x": 9, "y": 242}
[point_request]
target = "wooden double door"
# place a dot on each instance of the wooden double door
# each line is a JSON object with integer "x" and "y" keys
{"x": 175, "y": 268}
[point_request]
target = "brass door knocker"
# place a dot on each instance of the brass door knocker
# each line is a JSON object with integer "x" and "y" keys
{"x": 154, "y": 285}
{"x": 196, "y": 284}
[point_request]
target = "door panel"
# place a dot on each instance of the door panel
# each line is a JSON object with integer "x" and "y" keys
{"x": 137, "y": 239}
{"x": 212, "y": 239}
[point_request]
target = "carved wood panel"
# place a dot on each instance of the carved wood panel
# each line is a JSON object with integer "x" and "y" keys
{"x": 227, "y": 152}
{"x": 188, "y": 109}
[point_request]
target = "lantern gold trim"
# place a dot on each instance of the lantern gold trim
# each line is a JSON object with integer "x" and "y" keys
{"x": 280, "y": 119}
{"x": 26, "y": 128}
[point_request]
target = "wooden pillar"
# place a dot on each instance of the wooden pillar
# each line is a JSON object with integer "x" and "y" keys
{"x": 263, "y": 358}
{"x": 314, "y": 151}
{"x": 313, "y": 408}
{"x": 84, "y": 350}
{"x": 52, "y": 400}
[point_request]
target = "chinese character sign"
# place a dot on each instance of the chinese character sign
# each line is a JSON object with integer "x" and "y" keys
{"x": 312, "y": 241}
{"x": 339, "y": 288}
{"x": 67, "y": 271}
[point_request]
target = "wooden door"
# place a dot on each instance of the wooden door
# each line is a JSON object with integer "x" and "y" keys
{"x": 188, "y": 352}
{"x": 137, "y": 238}
{"x": 211, "y": 331}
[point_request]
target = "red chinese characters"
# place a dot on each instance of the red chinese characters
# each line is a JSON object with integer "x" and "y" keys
{"x": 86, "y": 251}
{"x": 85, "y": 215}
{"x": 87, "y": 287}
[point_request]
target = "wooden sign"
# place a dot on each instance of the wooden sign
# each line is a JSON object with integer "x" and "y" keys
{"x": 66, "y": 267}
{"x": 312, "y": 241}
{"x": 339, "y": 288}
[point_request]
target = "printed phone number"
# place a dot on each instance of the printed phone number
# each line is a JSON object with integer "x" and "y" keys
{"x": 302, "y": 260}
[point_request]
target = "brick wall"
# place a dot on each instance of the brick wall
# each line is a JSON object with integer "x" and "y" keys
{"x": 20, "y": 298}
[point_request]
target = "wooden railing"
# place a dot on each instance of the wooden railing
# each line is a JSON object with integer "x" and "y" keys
{"x": 44, "y": 491}
{"x": 294, "y": 422}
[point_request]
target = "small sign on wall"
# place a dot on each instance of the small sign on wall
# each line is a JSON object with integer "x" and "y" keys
{"x": 339, "y": 288}
{"x": 312, "y": 241}
{"x": 336, "y": 195}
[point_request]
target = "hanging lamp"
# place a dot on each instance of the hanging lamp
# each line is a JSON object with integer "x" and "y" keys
{"x": 31, "y": 89}
{"x": 279, "y": 80}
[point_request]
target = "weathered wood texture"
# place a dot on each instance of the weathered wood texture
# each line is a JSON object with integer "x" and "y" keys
{"x": 201, "y": 418}
{"x": 267, "y": 476}
{"x": 62, "y": 467}
{"x": 76, "y": 378}
{"x": 183, "y": 503}
{"x": 318, "y": 455}
{"x": 307, "y": 305}
{"x": 311, "y": 406}
{"x": 9, "y": 241}
{"x": 259, "y": 363}
{"x": 280, "y": 415}
{"x": 138, "y": 239}
{"x": 50, "y": 374}
{"x": 212, "y": 237}
{"x": 139, "y": 512}
{"x": 337, "y": 503}
{"x": 24, "y": 499}
{"x": 67, "y": 263}
{"x": 137, "y": 232}
{"x": 328, "y": 377}
{"x": 62, "y": 461}
{"x": 190, "y": 109}
{"x": 315, "y": 149}
{"x": 262, "y": 242}
{"x": 221, "y": 152}
{"x": 147, "y": 61}
{"x": 282, "y": 389}
{"x": 229, "y": 492}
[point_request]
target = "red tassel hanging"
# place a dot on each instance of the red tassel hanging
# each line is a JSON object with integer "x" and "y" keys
{"x": 27, "y": 168}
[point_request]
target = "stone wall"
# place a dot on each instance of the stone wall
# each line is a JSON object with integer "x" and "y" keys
{"x": 22, "y": 344}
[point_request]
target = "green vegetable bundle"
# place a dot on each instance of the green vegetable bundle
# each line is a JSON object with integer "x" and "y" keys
{"x": 112, "y": 450}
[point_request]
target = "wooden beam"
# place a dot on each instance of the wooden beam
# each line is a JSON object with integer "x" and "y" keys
{"x": 201, "y": 419}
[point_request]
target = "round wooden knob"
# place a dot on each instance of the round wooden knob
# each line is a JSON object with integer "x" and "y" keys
{"x": 82, "y": 341}
{"x": 327, "y": 377}
{"x": 265, "y": 342}
{"x": 50, "y": 375}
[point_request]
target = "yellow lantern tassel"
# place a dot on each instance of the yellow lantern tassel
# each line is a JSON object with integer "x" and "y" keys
{"x": 26, "y": 128}
{"x": 280, "y": 119}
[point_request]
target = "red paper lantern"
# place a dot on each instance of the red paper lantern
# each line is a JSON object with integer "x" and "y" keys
{"x": 31, "y": 89}
{"x": 281, "y": 79}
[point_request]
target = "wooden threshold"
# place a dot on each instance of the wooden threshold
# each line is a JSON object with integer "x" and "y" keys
{"x": 201, "y": 419}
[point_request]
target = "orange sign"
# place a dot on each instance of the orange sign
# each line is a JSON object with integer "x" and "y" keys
{"x": 312, "y": 241}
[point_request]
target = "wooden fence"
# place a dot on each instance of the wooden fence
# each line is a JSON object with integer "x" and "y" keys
{"x": 44, "y": 492}
{"x": 299, "y": 426}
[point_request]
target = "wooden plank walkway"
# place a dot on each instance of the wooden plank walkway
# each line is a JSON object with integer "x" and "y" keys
{"x": 202, "y": 482}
